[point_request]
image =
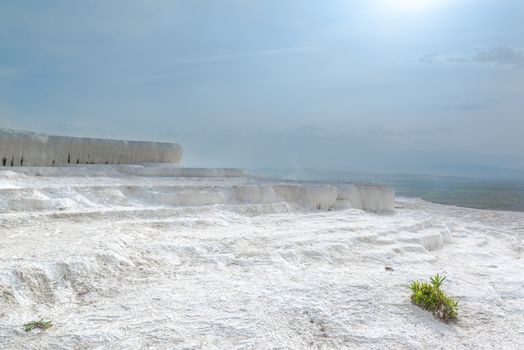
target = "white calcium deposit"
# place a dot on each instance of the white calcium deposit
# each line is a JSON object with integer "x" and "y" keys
{"x": 25, "y": 148}
{"x": 155, "y": 257}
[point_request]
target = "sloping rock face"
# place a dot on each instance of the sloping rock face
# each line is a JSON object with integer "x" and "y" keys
{"x": 21, "y": 148}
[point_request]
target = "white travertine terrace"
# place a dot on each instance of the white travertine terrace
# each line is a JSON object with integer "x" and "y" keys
{"x": 130, "y": 163}
{"x": 21, "y": 148}
{"x": 86, "y": 186}
{"x": 144, "y": 256}
{"x": 155, "y": 256}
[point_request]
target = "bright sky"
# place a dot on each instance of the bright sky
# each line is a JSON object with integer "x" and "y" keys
{"x": 427, "y": 86}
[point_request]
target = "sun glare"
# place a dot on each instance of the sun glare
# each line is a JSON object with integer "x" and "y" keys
{"x": 412, "y": 5}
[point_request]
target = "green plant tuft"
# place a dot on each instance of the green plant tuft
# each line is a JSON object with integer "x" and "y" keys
{"x": 40, "y": 324}
{"x": 429, "y": 296}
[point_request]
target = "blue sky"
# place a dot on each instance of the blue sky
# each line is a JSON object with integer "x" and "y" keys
{"x": 420, "y": 86}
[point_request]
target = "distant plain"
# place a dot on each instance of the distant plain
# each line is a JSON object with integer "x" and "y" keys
{"x": 495, "y": 194}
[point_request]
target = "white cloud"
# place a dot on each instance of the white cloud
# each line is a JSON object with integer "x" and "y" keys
{"x": 500, "y": 55}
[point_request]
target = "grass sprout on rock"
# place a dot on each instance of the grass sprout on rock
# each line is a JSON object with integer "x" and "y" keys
{"x": 40, "y": 324}
{"x": 429, "y": 296}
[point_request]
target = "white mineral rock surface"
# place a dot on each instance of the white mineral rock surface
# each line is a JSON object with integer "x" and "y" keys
{"x": 25, "y": 148}
{"x": 153, "y": 257}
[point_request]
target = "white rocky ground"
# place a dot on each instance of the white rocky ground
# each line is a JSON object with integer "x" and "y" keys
{"x": 118, "y": 263}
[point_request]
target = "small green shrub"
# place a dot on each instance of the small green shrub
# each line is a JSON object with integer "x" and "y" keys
{"x": 430, "y": 297}
{"x": 40, "y": 324}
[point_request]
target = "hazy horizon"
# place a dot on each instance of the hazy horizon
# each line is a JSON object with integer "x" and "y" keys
{"x": 389, "y": 86}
